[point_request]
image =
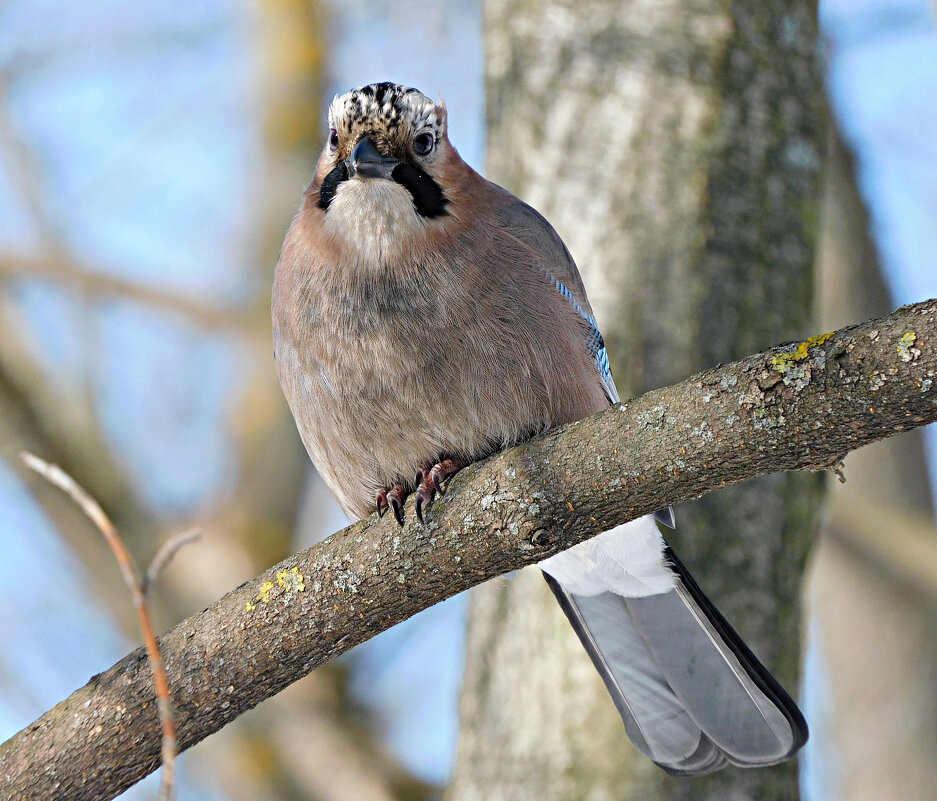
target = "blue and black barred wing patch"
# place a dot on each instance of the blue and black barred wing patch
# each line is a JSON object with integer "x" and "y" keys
{"x": 595, "y": 341}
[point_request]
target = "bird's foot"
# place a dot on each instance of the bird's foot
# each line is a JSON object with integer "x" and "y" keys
{"x": 393, "y": 499}
{"x": 430, "y": 481}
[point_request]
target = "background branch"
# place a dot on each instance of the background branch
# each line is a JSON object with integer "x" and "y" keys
{"x": 907, "y": 556}
{"x": 66, "y": 271}
{"x": 801, "y": 406}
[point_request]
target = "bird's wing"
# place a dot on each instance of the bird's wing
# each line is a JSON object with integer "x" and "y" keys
{"x": 526, "y": 224}
{"x": 530, "y": 227}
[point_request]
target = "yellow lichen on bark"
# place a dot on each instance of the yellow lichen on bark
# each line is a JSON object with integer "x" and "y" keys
{"x": 783, "y": 361}
{"x": 906, "y": 351}
{"x": 289, "y": 580}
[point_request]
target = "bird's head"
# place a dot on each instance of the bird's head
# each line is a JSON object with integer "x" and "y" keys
{"x": 387, "y": 171}
{"x": 386, "y": 132}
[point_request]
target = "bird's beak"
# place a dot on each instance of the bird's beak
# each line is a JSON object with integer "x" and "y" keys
{"x": 367, "y": 162}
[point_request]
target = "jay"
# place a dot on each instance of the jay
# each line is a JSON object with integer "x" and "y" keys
{"x": 425, "y": 318}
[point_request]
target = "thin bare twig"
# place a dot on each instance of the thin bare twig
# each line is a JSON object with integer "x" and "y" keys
{"x": 165, "y": 555}
{"x": 59, "y": 478}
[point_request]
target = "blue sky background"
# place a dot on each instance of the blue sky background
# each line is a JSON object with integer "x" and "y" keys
{"x": 148, "y": 150}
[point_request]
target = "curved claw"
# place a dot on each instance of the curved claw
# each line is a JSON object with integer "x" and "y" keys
{"x": 431, "y": 482}
{"x": 381, "y": 503}
{"x": 395, "y": 499}
{"x": 442, "y": 471}
{"x": 392, "y": 499}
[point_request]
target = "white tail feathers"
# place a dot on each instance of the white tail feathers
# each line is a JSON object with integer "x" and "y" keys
{"x": 627, "y": 560}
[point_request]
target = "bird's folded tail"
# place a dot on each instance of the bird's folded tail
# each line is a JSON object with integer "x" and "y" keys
{"x": 692, "y": 695}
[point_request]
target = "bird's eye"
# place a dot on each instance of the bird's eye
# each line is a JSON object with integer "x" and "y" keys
{"x": 333, "y": 139}
{"x": 423, "y": 143}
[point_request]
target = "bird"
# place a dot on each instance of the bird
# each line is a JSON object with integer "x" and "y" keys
{"x": 425, "y": 318}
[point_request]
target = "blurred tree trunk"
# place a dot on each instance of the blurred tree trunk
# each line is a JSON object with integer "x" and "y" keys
{"x": 876, "y": 640}
{"x": 676, "y": 148}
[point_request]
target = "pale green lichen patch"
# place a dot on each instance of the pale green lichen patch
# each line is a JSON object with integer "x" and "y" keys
{"x": 704, "y": 432}
{"x": 345, "y": 581}
{"x": 291, "y": 580}
{"x": 906, "y": 350}
{"x": 288, "y": 581}
{"x": 783, "y": 362}
{"x": 653, "y": 417}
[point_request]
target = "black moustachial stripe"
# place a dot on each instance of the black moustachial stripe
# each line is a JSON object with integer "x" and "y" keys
{"x": 427, "y": 196}
{"x": 330, "y": 185}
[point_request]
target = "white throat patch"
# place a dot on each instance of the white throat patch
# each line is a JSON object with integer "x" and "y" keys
{"x": 374, "y": 219}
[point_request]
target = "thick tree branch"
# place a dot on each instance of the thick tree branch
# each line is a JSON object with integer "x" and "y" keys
{"x": 797, "y": 407}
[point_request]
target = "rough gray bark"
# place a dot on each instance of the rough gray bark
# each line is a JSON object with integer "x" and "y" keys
{"x": 875, "y": 630}
{"x": 676, "y": 148}
{"x": 796, "y": 407}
